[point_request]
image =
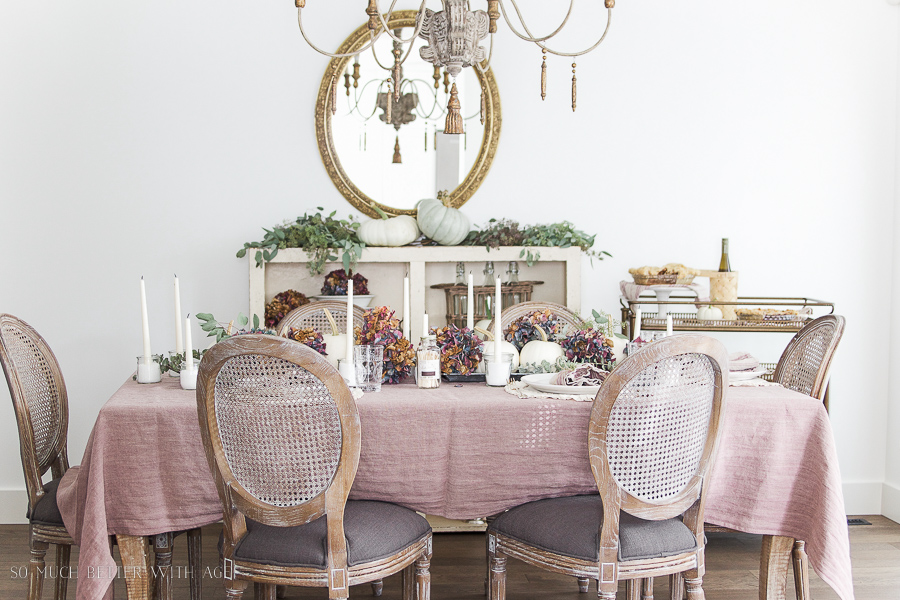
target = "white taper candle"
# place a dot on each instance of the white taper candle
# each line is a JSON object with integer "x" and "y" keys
{"x": 145, "y": 324}
{"x": 179, "y": 339}
{"x": 188, "y": 346}
{"x": 497, "y": 315}
{"x": 470, "y": 303}
{"x": 406, "y": 307}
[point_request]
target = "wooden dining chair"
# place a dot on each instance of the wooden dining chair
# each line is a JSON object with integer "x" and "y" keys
{"x": 281, "y": 434}
{"x": 803, "y": 367}
{"x": 566, "y": 317}
{"x": 651, "y": 441}
{"x": 313, "y": 315}
{"x": 41, "y": 405}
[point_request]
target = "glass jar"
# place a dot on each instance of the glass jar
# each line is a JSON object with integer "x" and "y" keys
{"x": 428, "y": 364}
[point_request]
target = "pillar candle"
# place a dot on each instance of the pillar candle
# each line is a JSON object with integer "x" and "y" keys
{"x": 179, "y": 340}
{"x": 406, "y": 307}
{"x": 670, "y": 329}
{"x": 145, "y": 324}
{"x": 349, "y": 356}
{"x": 497, "y": 315}
{"x": 470, "y": 304}
{"x": 188, "y": 346}
{"x": 637, "y": 325}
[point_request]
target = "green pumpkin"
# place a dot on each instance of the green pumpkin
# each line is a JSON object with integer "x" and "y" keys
{"x": 443, "y": 224}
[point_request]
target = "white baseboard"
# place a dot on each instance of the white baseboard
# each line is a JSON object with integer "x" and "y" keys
{"x": 13, "y": 504}
{"x": 890, "y": 501}
{"x": 863, "y": 497}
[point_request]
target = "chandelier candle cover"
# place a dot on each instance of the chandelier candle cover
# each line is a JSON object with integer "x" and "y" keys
{"x": 179, "y": 340}
{"x": 470, "y": 304}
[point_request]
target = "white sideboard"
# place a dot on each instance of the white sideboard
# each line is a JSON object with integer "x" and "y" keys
{"x": 558, "y": 268}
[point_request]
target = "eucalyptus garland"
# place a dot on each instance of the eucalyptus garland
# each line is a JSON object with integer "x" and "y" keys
{"x": 506, "y": 232}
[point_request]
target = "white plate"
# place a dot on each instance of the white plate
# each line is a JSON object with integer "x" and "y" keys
{"x": 541, "y": 382}
{"x": 745, "y": 375}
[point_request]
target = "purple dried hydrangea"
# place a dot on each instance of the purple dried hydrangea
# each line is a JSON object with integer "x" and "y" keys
{"x": 461, "y": 349}
{"x": 382, "y": 329}
{"x": 524, "y": 329}
{"x": 588, "y": 346}
{"x": 308, "y": 337}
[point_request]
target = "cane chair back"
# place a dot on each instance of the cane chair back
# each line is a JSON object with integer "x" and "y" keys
{"x": 281, "y": 434}
{"x": 654, "y": 425}
{"x": 313, "y": 315}
{"x": 804, "y": 364}
{"x": 566, "y": 317}
{"x": 39, "y": 398}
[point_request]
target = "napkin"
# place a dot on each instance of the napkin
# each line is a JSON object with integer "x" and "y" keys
{"x": 580, "y": 375}
{"x": 742, "y": 361}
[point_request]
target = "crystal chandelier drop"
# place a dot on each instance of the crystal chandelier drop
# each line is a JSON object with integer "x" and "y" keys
{"x": 454, "y": 36}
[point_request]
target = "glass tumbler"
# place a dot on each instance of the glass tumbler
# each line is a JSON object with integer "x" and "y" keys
{"x": 369, "y": 362}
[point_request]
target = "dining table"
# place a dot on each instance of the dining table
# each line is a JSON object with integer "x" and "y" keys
{"x": 461, "y": 451}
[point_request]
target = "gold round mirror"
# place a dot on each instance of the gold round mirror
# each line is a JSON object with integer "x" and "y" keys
{"x": 391, "y": 159}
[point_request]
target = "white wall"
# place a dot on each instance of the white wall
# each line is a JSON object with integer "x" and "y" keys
{"x": 146, "y": 139}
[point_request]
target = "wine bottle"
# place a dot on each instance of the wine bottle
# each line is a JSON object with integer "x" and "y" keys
{"x": 724, "y": 263}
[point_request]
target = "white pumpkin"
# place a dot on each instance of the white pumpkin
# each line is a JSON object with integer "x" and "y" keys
{"x": 537, "y": 351}
{"x": 482, "y": 325}
{"x": 335, "y": 348}
{"x": 618, "y": 348}
{"x": 709, "y": 313}
{"x": 389, "y": 231}
{"x": 443, "y": 224}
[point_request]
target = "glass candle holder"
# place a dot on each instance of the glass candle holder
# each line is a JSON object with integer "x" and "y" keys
{"x": 189, "y": 377}
{"x": 176, "y": 359}
{"x": 496, "y": 374}
{"x": 148, "y": 370}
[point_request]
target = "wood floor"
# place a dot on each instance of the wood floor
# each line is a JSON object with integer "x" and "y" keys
{"x": 458, "y": 569}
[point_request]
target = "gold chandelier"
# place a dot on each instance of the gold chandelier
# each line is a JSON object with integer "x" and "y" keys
{"x": 453, "y": 37}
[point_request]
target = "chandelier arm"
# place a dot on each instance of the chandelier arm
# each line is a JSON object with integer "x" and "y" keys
{"x": 582, "y": 52}
{"x": 384, "y": 24}
{"x": 372, "y": 39}
{"x": 530, "y": 37}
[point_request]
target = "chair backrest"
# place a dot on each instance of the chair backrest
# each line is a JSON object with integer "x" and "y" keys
{"x": 313, "y": 315}
{"x": 654, "y": 427}
{"x": 566, "y": 317}
{"x": 39, "y": 399}
{"x": 281, "y": 434}
{"x": 804, "y": 364}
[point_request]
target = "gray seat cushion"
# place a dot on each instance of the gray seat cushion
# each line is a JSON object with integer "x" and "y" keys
{"x": 46, "y": 511}
{"x": 571, "y": 527}
{"x": 374, "y": 530}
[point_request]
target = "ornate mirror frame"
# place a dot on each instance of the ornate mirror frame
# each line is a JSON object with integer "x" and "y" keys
{"x": 356, "y": 197}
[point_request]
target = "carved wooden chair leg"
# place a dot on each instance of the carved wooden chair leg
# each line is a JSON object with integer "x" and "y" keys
{"x": 423, "y": 577}
{"x": 377, "y": 587}
{"x": 633, "y": 589}
{"x": 195, "y": 563}
{"x": 36, "y": 569}
{"x": 63, "y": 552}
{"x": 694, "y": 588}
{"x": 280, "y": 591}
{"x": 234, "y": 589}
{"x": 264, "y": 591}
{"x": 676, "y": 586}
{"x": 584, "y": 583}
{"x": 801, "y": 570}
{"x": 498, "y": 577}
{"x": 408, "y": 582}
{"x": 647, "y": 585}
{"x": 161, "y": 584}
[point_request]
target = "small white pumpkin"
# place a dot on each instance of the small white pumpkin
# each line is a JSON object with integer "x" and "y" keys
{"x": 443, "y": 224}
{"x": 488, "y": 349}
{"x": 482, "y": 332}
{"x": 389, "y": 231}
{"x": 709, "y": 313}
{"x": 537, "y": 351}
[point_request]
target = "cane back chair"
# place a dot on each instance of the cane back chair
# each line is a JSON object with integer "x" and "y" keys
{"x": 281, "y": 434}
{"x": 566, "y": 317}
{"x": 313, "y": 315}
{"x": 41, "y": 406}
{"x": 803, "y": 367}
{"x": 652, "y": 439}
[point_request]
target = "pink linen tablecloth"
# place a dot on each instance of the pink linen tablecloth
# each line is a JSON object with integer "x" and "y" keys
{"x": 458, "y": 452}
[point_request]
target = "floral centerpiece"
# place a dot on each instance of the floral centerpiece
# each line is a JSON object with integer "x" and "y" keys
{"x": 461, "y": 349}
{"x": 282, "y": 304}
{"x": 524, "y": 329}
{"x": 336, "y": 283}
{"x": 380, "y": 328}
{"x": 307, "y": 336}
{"x": 589, "y": 346}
